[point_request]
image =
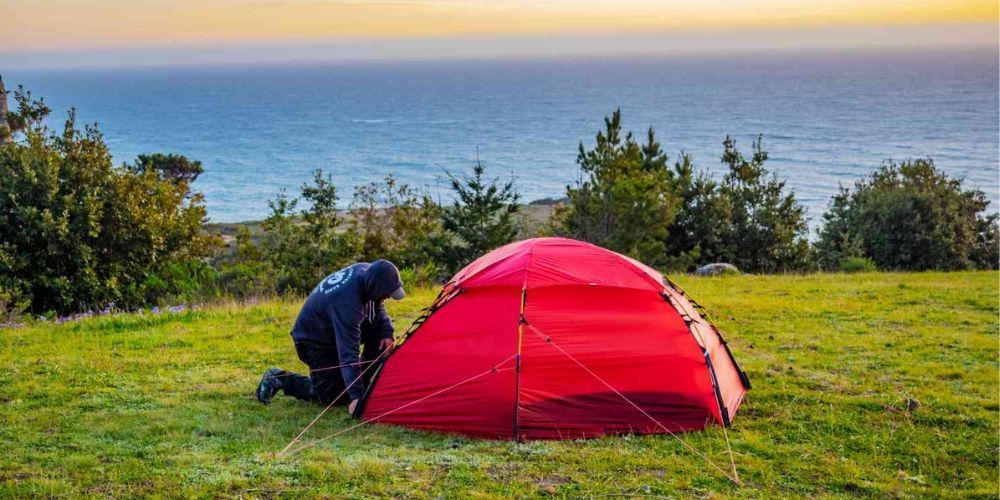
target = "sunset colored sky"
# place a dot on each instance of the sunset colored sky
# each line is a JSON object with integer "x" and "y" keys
{"x": 50, "y": 26}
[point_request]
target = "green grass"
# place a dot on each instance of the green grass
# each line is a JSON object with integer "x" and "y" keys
{"x": 141, "y": 405}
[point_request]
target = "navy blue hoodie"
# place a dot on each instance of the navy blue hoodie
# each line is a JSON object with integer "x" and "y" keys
{"x": 343, "y": 304}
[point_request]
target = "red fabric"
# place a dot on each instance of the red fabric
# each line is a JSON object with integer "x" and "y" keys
{"x": 466, "y": 337}
{"x": 615, "y": 316}
{"x": 728, "y": 377}
{"x": 556, "y": 261}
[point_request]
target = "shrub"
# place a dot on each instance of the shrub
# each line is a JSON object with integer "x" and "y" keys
{"x": 245, "y": 280}
{"x": 985, "y": 253}
{"x": 910, "y": 216}
{"x": 294, "y": 249}
{"x": 79, "y": 233}
{"x": 175, "y": 168}
{"x": 857, "y": 265}
{"x": 12, "y": 306}
{"x": 185, "y": 281}
{"x": 427, "y": 275}
{"x": 393, "y": 221}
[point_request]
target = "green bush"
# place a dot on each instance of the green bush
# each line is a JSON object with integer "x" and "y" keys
{"x": 392, "y": 221}
{"x": 857, "y": 265}
{"x": 630, "y": 201}
{"x": 766, "y": 230}
{"x": 12, "y": 306}
{"x": 427, "y": 275}
{"x": 245, "y": 280}
{"x": 79, "y": 233}
{"x": 910, "y": 216}
{"x": 730, "y": 272}
{"x": 294, "y": 249}
{"x": 187, "y": 281}
{"x": 703, "y": 216}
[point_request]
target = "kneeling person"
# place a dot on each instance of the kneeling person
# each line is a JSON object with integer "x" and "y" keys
{"x": 343, "y": 312}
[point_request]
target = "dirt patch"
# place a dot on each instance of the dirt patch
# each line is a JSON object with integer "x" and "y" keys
{"x": 553, "y": 480}
{"x": 502, "y": 473}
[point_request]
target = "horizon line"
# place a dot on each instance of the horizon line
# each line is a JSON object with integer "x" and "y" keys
{"x": 517, "y": 47}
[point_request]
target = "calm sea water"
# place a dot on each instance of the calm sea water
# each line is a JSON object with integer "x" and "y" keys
{"x": 827, "y": 118}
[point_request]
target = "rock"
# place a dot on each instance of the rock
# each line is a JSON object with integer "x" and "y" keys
{"x": 912, "y": 404}
{"x": 716, "y": 269}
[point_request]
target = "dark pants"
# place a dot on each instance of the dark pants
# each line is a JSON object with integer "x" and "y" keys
{"x": 324, "y": 384}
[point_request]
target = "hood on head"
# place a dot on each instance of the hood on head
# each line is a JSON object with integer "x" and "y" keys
{"x": 381, "y": 279}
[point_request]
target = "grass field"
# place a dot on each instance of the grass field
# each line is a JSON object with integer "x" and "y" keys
{"x": 873, "y": 384}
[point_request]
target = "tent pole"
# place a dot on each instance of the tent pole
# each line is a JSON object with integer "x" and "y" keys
{"x": 517, "y": 363}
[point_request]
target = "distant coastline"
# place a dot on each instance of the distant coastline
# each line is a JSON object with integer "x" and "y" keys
{"x": 534, "y": 213}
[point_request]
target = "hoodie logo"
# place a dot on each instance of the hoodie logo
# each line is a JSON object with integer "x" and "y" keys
{"x": 334, "y": 281}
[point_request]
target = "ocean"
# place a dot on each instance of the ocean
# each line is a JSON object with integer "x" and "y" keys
{"x": 827, "y": 118}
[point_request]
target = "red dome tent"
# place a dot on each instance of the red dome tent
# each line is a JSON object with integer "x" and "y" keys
{"x": 552, "y": 338}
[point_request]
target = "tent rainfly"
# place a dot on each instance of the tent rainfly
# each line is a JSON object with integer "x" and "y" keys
{"x": 552, "y": 338}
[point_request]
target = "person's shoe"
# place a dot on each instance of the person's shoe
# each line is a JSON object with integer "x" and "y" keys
{"x": 269, "y": 385}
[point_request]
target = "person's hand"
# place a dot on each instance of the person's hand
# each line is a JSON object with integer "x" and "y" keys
{"x": 386, "y": 344}
{"x": 351, "y": 406}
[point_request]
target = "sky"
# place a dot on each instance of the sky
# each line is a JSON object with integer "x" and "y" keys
{"x": 110, "y": 32}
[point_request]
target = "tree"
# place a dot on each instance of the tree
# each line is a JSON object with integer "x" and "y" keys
{"x": 6, "y": 134}
{"x": 699, "y": 232}
{"x": 748, "y": 219}
{"x": 767, "y": 229}
{"x": 910, "y": 216}
{"x": 625, "y": 200}
{"x": 172, "y": 167}
{"x": 29, "y": 115}
{"x": 326, "y": 246}
{"x": 482, "y": 217}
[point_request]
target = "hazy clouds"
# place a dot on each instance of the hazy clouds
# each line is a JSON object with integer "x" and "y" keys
{"x": 512, "y": 46}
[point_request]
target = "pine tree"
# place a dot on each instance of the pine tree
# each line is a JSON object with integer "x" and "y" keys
{"x": 698, "y": 233}
{"x": 482, "y": 217}
{"x": 625, "y": 200}
{"x": 767, "y": 227}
